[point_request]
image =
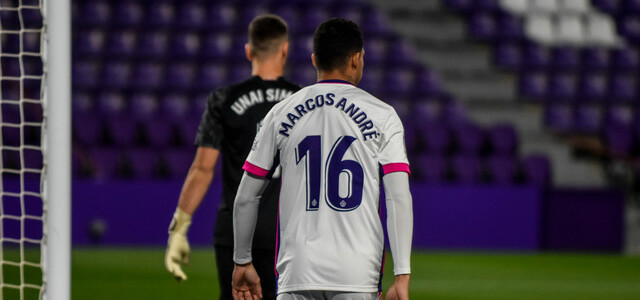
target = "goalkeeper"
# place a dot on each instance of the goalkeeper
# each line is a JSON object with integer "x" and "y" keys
{"x": 228, "y": 126}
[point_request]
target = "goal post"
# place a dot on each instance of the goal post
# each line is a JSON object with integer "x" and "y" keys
{"x": 57, "y": 103}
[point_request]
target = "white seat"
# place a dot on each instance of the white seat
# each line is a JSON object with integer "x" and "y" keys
{"x": 579, "y": 7}
{"x": 543, "y": 6}
{"x": 600, "y": 30}
{"x": 518, "y": 7}
{"x": 570, "y": 30}
{"x": 539, "y": 28}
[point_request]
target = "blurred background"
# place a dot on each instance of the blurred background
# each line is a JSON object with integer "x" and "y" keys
{"x": 521, "y": 116}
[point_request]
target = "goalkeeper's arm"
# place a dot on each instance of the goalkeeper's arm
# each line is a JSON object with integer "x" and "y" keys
{"x": 400, "y": 230}
{"x": 193, "y": 191}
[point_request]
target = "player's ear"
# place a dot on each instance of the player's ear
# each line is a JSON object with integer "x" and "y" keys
{"x": 247, "y": 51}
{"x": 354, "y": 62}
{"x": 285, "y": 49}
{"x": 313, "y": 60}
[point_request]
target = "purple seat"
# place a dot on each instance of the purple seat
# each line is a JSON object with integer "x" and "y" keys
{"x": 85, "y": 73}
{"x": 632, "y": 6}
{"x": 122, "y": 43}
{"x": 178, "y": 162}
{"x": 313, "y": 17}
{"x": 143, "y": 106}
{"x": 122, "y": 130}
{"x": 629, "y": 27}
{"x": 563, "y": 86}
{"x": 428, "y": 111}
{"x": 609, "y": 6}
{"x": 160, "y": 15}
{"x": 82, "y": 103}
{"x": 503, "y": 169}
{"x": 106, "y": 163}
{"x": 619, "y": 139}
{"x": 623, "y": 87}
{"x": 431, "y": 168}
{"x": 211, "y": 76}
{"x": 87, "y": 129}
{"x": 625, "y": 59}
{"x": 290, "y": 15}
{"x": 88, "y": 42}
{"x": 96, "y": 13}
{"x": 482, "y": 25}
{"x": 111, "y": 103}
{"x": 536, "y": 56}
{"x": 470, "y": 139}
{"x": 559, "y": 117}
{"x": 116, "y": 75}
{"x": 153, "y": 44}
{"x": 486, "y": 5}
{"x": 143, "y": 162}
{"x": 401, "y": 54}
{"x": 588, "y": 118}
{"x": 371, "y": 82}
{"x": 436, "y": 136}
{"x": 595, "y": 58}
{"x": 507, "y": 55}
{"x": 619, "y": 115}
{"x": 533, "y": 85}
{"x": 427, "y": 83}
{"x": 468, "y": 169}
{"x": 399, "y": 81}
{"x": 376, "y": 50}
{"x": 158, "y": 132}
{"x": 191, "y": 15}
{"x": 565, "y": 58}
{"x": 593, "y": 86}
{"x": 459, "y": 5}
{"x": 180, "y": 76}
{"x": 454, "y": 113}
{"x": 239, "y": 73}
{"x": 222, "y": 16}
{"x": 175, "y": 106}
{"x": 148, "y": 75}
{"x": 187, "y": 130}
{"x": 185, "y": 44}
{"x": 537, "y": 170}
{"x": 217, "y": 45}
{"x": 128, "y": 13}
{"x": 504, "y": 139}
{"x": 509, "y": 27}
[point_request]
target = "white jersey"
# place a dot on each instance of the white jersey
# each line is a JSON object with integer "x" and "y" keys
{"x": 333, "y": 141}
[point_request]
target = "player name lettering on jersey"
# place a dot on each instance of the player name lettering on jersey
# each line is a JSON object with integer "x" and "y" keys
{"x": 254, "y": 97}
{"x": 328, "y": 100}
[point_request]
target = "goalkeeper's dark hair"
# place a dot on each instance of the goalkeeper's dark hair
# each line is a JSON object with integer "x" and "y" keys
{"x": 266, "y": 33}
{"x": 334, "y": 42}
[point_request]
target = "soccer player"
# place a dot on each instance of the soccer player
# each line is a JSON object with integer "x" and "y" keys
{"x": 334, "y": 143}
{"x": 228, "y": 126}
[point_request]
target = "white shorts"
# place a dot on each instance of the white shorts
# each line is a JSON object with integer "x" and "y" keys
{"x": 328, "y": 295}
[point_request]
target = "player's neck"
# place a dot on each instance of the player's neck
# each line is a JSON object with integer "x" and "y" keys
{"x": 268, "y": 69}
{"x": 336, "y": 75}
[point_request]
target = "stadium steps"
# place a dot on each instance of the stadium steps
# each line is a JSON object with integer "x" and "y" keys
{"x": 490, "y": 96}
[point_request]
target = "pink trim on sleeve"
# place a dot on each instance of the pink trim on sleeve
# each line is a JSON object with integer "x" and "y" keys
{"x": 395, "y": 167}
{"x": 255, "y": 170}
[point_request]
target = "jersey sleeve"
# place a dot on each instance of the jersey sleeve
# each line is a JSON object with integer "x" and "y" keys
{"x": 210, "y": 131}
{"x": 263, "y": 157}
{"x": 393, "y": 154}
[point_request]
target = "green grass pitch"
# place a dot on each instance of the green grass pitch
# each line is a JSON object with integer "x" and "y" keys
{"x": 138, "y": 273}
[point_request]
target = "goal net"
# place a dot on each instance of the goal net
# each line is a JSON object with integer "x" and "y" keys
{"x": 23, "y": 162}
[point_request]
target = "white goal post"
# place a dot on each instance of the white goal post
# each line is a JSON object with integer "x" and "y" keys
{"x": 35, "y": 149}
{"x": 57, "y": 101}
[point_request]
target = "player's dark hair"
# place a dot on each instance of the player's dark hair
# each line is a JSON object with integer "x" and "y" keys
{"x": 267, "y": 32}
{"x": 334, "y": 42}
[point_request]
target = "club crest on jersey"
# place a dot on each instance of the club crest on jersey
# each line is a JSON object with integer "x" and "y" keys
{"x": 356, "y": 114}
{"x": 254, "y": 97}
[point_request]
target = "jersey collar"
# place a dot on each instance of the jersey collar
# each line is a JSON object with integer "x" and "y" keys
{"x": 338, "y": 81}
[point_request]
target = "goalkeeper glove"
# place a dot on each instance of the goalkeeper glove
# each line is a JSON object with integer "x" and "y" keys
{"x": 178, "y": 246}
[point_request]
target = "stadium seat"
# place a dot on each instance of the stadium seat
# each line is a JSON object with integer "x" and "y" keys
{"x": 470, "y": 139}
{"x": 142, "y": 162}
{"x": 588, "y": 119}
{"x": 600, "y": 30}
{"x": 518, "y": 7}
{"x": 427, "y": 83}
{"x": 619, "y": 139}
{"x": 116, "y": 74}
{"x": 122, "y": 43}
{"x": 143, "y": 105}
{"x": 468, "y": 169}
{"x": 565, "y": 58}
{"x": 629, "y": 27}
{"x": 536, "y": 56}
{"x": 217, "y": 45}
{"x": 221, "y": 16}
{"x": 559, "y": 117}
{"x": 623, "y": 87}
{"x": 533, "y": 85}
{"x": 507, "y": 55}
{"x": 563, "y": 85}
{"x": 509, "y": 27}
{"x": 96, "y": 13}
{"x": 85, "y": 73}
{"x": 399, "y": 80}
{"x": 595, "y": 58}
{"x": 211, "y": 76}
{"x": 625, "y": 59}
{"x": 123, "y": 131}
{"x": 191, "y": 15}
{"x": 87, "y": 130}
{"x": 537, "y": 170}
{"x": 82, "y": 102}
{"x": 593, "y": 86}
{"x": 431, "y": 168}
{"x": 436, "y": 137}
{"x": 187, "y": 130}
{"x": 159, "y": 133}
{"x": 482, "y": 25}
{"x": 160, "y": 15}
{"x": 153, "y": 44}
{"x": 428, "y": 110}
{"x": 503, "y": 170}
{"x": 180, "y": 76}
{"x": 106, "y": 163}
{"x": 128, "y": 14}
{"x": 111, "y": 103}
{"x": 88, "y": 42}
{"x": 576, "y": 7}
{"x": 148, "y": 75}
{"x": 504, "y": 139}
{"x": 540, "y": 28}
{"x": 178, "y": 162}
{"x": 609, "y": 6}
